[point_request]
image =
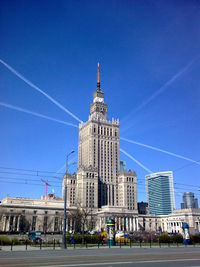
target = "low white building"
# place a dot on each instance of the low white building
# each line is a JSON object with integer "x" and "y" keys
{"x": 24, "y": 214}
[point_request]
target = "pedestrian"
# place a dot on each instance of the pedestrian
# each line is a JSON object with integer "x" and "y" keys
{"x": 103, "y": 238}
{"x": 71, "y": 240}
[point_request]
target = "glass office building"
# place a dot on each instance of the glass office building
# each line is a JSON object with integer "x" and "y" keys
{"x": 189, "y": 202}
{"x": 122, "y": 166}
{"x": 160, "y": 193}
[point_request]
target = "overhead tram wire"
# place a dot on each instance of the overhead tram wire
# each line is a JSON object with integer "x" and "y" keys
{"x": 31, "y": 184}
{"x": 28, "y": 174}
{"x": 57, "y": 177}
{"x": 28, "y": 170}
{"x": 26, "y": 179}
{"x": 184, "y": 166}
{"x": 26, "y": 183}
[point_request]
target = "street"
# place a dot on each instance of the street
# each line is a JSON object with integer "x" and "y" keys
{"x": 182, "y": 256}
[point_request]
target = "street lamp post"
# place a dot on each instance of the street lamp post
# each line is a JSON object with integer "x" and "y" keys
{"x": 65, "y": 203}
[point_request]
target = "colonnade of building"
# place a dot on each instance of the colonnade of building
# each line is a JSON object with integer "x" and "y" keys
{"x": 122, "y": 223}
{"x": 11, "y": 223}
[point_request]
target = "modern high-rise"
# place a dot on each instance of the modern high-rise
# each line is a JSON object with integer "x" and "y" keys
{"x": 160, "y": 193}
{"x": 189, "y": 202}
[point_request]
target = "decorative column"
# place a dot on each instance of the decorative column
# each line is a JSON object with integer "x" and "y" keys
{"x": 71, "y": 224}
{"x": 67, "y": 223}
{"x": 131, "y": 224}
{"x": 133, "y": 219}
{"x": 127, "y": 224}
{"x": 18, "y": 222}
{"x": 115, "y": 218}
{"x": 119, "y": 220}
{"x": 100, "y": 224}
{"x": 122, "y": 223}
{"x": 105, "y": 219}
{"x": 14, "y": 220}
{"x": 137, "y": 226}
{"x": 4, "y": 224}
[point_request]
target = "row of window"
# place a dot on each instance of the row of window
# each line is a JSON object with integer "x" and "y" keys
{"x": 129, "y": 179}
{"x": 90, "y": 175}
{"x": 104, "y": 131}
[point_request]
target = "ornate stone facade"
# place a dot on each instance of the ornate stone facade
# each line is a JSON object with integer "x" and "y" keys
{"x": 99, "y": 182}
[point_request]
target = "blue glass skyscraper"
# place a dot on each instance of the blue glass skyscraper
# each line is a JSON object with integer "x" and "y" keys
{"x": 160, "y": 193}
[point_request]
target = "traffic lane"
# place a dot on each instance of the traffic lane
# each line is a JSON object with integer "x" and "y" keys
{"x": 92, "y": 260}
{"x": 95, "y": 251}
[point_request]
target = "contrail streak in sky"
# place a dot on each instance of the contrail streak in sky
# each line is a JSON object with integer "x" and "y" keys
{"x": 61, "y": 168}
{"x": 139, "y": 163}
{"x": 36, "y": 114}
{"x": 164, "y": 87}
{"x": 39, "y": 90}
{"x": 64, "y": 166}
{"x": 160, "y": 150}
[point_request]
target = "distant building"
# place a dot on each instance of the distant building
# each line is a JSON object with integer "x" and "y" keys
{"x": 122, "y": 166}
{"x": 189, "y": 202}
{"x": 160, "y": 193}
{"x": 142, "y": 207}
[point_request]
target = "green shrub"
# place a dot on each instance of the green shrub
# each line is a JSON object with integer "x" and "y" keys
{"x": 176, "y": 238}
{"x": 4, "y": 240}
{"x": 78, "y": 238}
{"x": 164, "y": 238}
{"x": 195, "y": 238}
{"x": 16, "y": 241}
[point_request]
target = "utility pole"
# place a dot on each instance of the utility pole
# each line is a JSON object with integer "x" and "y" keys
{"x": 65, "y": 203}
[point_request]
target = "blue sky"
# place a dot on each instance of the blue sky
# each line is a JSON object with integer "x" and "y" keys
{"x": 149, "y": 59}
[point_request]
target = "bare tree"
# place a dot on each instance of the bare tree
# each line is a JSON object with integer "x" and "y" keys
{"x": 80, "y": 217}
{"x": 24, "y": 224}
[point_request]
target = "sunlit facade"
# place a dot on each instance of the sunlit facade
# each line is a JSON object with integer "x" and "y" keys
{"x": 160, "y": 193}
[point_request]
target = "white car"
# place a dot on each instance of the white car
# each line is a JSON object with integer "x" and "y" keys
{"x": 119, "y": 234}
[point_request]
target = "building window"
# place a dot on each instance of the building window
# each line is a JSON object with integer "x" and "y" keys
{"x": 56, "y": 224}
{"x": 45, "y": 224}
{"x": 34, "y": 223}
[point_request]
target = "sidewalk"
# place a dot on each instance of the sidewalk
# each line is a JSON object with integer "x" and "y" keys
{"x": 33, "y": 248}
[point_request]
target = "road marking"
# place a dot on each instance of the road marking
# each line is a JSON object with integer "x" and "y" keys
{"x": 116, "y": 263}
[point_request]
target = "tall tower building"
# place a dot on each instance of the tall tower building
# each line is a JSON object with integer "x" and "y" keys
{"x": 98, "y": 176}
{"x": 189, "y": 202}
{"x": 160, "y": 193}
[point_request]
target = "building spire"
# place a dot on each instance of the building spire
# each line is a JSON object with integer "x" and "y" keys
{"x": 98, "y": 78}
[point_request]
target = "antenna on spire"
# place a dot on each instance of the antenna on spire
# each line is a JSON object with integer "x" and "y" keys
{"x": 98, "y": 78}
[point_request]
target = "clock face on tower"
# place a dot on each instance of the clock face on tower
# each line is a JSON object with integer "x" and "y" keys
{"x": 98, "y": 99}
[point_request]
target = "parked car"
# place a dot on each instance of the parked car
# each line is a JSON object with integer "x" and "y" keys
{"x": 119, "y": 234}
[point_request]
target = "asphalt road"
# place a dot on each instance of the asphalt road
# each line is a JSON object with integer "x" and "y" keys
{"x": 189, "y": 256}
